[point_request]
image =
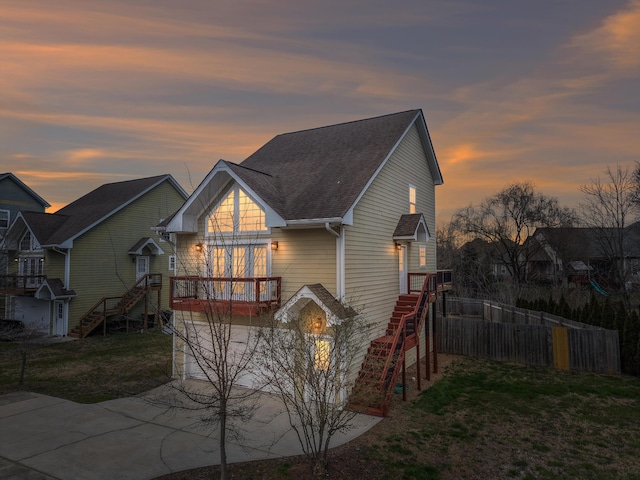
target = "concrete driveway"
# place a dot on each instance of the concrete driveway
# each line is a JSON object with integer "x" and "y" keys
{"x": 44, "y": 437}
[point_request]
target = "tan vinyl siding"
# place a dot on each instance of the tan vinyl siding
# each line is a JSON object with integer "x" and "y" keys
{"x": 372, "y": 278}
{"x": 100, "y": 264}
{"x": 304, "y": 257}
{"x": 54, "y": 264}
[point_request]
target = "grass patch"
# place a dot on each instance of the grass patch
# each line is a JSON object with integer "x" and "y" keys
{"x": 90, "y": 370}
{"x": 541, "y": 422}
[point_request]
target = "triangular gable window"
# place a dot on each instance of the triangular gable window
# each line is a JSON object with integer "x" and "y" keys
{"x": 28, "y": 243}
{"x": 236, "y": 213}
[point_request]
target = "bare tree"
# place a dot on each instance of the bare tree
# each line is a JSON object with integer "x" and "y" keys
{"x": 507, "y": 219}
{"x": 29, "y": 337}
{"x": 313, "y": 370}
{"x": 215, "y": 335}
{"x": 609, "y": 208}
{"x": 448, "y": 241}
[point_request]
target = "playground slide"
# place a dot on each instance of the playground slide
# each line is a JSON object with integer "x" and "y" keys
{"x": 598, "y": 288}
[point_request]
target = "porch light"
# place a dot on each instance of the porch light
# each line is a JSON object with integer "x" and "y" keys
{"x": 198, "y": 247}
{"x": 398, "y": 246}
{"x": 316, "y": 325}
{"x": 274, "y": 245}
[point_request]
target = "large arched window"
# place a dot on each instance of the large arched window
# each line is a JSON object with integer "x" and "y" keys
{"x": 236, "y": 213}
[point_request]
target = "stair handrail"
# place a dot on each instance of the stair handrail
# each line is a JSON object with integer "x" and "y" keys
{"x": 146, "y": 279}
{"x": 401, "y": 330}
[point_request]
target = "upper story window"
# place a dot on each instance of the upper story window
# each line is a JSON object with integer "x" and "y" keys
{"x": 28, "y": 243}
{"x": 236, "y": 213}
{"x": 4, "y": 221}
{"x": 412, "y": 199}
{"x": 5, "y": 216}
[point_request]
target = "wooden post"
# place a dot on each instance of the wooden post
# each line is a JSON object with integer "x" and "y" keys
{"x": 427, "y": 365}
{"x": 444, "y": 304}
{"x": 418, "y": 361}
{"x": 159, "y": 320}
{"x": 435, "y": 343}
{"x": 146, "y": 310}
{"x": 404, "y": 380}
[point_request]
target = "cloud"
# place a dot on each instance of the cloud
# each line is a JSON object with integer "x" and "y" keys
{"x": 616, "y": 41}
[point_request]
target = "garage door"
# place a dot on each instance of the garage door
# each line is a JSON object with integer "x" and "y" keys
{"x": 202, "y": 346}
{"x": 34, "y": 314}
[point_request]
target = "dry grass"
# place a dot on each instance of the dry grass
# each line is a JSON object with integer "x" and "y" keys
{"x": 90, "y": 370}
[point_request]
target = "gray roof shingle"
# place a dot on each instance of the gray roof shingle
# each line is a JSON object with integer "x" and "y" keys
{"x": 54, "y": 229}
{"x": 319, "y": 173}
{"x": 98, "y": 204}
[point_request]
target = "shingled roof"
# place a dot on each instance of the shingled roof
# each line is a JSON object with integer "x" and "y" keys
{"x": 311, "y": 176}
{"x": 25, "y": 187}
{"x": 60, "y": 228}
{"x": 320, "y": 173}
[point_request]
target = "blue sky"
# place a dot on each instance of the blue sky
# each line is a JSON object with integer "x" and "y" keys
{"x": 512, "y": 90}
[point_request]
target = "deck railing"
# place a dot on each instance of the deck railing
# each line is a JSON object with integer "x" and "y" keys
{"x": 190, "y": 292}
{"x": 20, "y": 283}
{"x": 443, "y": 278}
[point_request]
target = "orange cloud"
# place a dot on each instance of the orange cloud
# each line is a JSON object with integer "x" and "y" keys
{"x": 617, "y": 39}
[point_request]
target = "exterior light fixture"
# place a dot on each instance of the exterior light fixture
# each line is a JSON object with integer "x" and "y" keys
{"x": 198, "y": 247}
{"x": 398, "y": 246}
{"x": 316, "y": 324}
{"x": 274, "y": 245}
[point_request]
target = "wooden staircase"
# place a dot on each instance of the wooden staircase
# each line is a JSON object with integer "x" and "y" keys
{"x": 382, "y": 364}
{"x": 110, "y": 306}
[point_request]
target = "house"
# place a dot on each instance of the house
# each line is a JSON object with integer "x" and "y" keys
{"x": 578, "y": 256}
{"x": 16, "y": 196}
{"x": 96, "y": 258}
{"x": 338, "y": 214}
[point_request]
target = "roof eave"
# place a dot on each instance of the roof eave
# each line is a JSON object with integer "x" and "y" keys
{"x": 26, "y": 188}
{"x": 183, "y": 222}
{"x": 317, "y": 222}
{"x": 68, "y": 242}
{"x": 426, "y": 141}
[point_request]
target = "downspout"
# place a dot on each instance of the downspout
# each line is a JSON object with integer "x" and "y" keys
{"x": 67, "y": 264}
{"x": 340, "y": 271}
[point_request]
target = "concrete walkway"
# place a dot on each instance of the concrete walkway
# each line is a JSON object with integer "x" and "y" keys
{"x": 45, "y": 438}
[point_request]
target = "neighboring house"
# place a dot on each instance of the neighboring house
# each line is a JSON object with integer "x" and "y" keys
{"x": 80, "y": 265}
{"x": 575, "y": 256}
{"x": 14, "y": 197}
{"x": 338, "y": 214}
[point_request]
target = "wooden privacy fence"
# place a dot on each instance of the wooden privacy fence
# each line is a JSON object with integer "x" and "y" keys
{"x": 483, "y": 329}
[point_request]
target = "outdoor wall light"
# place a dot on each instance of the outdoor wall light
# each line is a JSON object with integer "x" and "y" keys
{"x": 317, "y": 325}
{"x": 274, "y": 245}
{"x": 198, "y": 247}
{"x": 398, "y": 246}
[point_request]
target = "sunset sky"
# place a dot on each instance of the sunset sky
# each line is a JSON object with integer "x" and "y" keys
{"x": 96, "y": 91}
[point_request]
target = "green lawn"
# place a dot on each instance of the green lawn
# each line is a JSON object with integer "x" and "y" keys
{"x": 90, "y": 370}
{"x": 492, "y": 420}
